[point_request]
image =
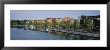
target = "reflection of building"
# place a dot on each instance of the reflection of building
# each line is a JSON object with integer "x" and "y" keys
{"x": 51, "y": 20}
{"x": 95, "y": 20}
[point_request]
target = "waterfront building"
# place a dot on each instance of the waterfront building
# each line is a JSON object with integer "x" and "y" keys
{"x": 66, "y": 20}
{"x": 41, "y": 21}
{"x": 58, "y": 23}
{"x": 32, "y": 21}
{"x": 51, "y": 20}
{"x": 72, "y": 21}
{"x": 27, "y": 21}
{"x": 58, "y": 20}
{"x": 94, "y": 21}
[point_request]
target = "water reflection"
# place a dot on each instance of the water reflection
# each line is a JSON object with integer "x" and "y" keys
{"x": 21, "y": 34}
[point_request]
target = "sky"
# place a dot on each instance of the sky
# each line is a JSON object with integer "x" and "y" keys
{"x": 43, "y": 14}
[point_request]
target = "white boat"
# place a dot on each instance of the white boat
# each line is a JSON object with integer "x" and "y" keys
{"x": 32, "y": 27}
{"x": 47, "y": 29}
{"x": 25, "y": 28}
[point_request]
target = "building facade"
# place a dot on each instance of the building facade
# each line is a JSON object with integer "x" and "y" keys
{"x": 66, "y": 20}
{"x": 92, "y": 22}
{"x": 51, "y": 20}
{"x": 41, "y": 21}
{"x": 58, "y": 20}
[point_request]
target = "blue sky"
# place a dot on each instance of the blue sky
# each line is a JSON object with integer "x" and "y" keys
{"x": 43, "y": 14}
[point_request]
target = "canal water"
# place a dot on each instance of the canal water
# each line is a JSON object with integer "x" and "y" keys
{"x": 21, "y": 34}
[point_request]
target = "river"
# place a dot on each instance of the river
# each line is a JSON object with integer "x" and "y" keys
{"x": 21, "y": 34}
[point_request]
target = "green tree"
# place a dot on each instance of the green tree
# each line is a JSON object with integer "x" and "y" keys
{"x": 89, "y": 25}
{"x": 76, "y": 25}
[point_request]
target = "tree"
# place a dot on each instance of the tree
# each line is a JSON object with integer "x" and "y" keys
{"x": 89, "y": 25}
{"x": 76, "y": 25}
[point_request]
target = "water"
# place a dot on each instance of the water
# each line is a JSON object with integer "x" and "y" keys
{"x": 21, "y": 34}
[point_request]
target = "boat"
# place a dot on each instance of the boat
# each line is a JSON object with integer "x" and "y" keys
{"x": 25, "y": 28}
{"x": 47, "y": 29}
{"x": 32, "y": 27}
